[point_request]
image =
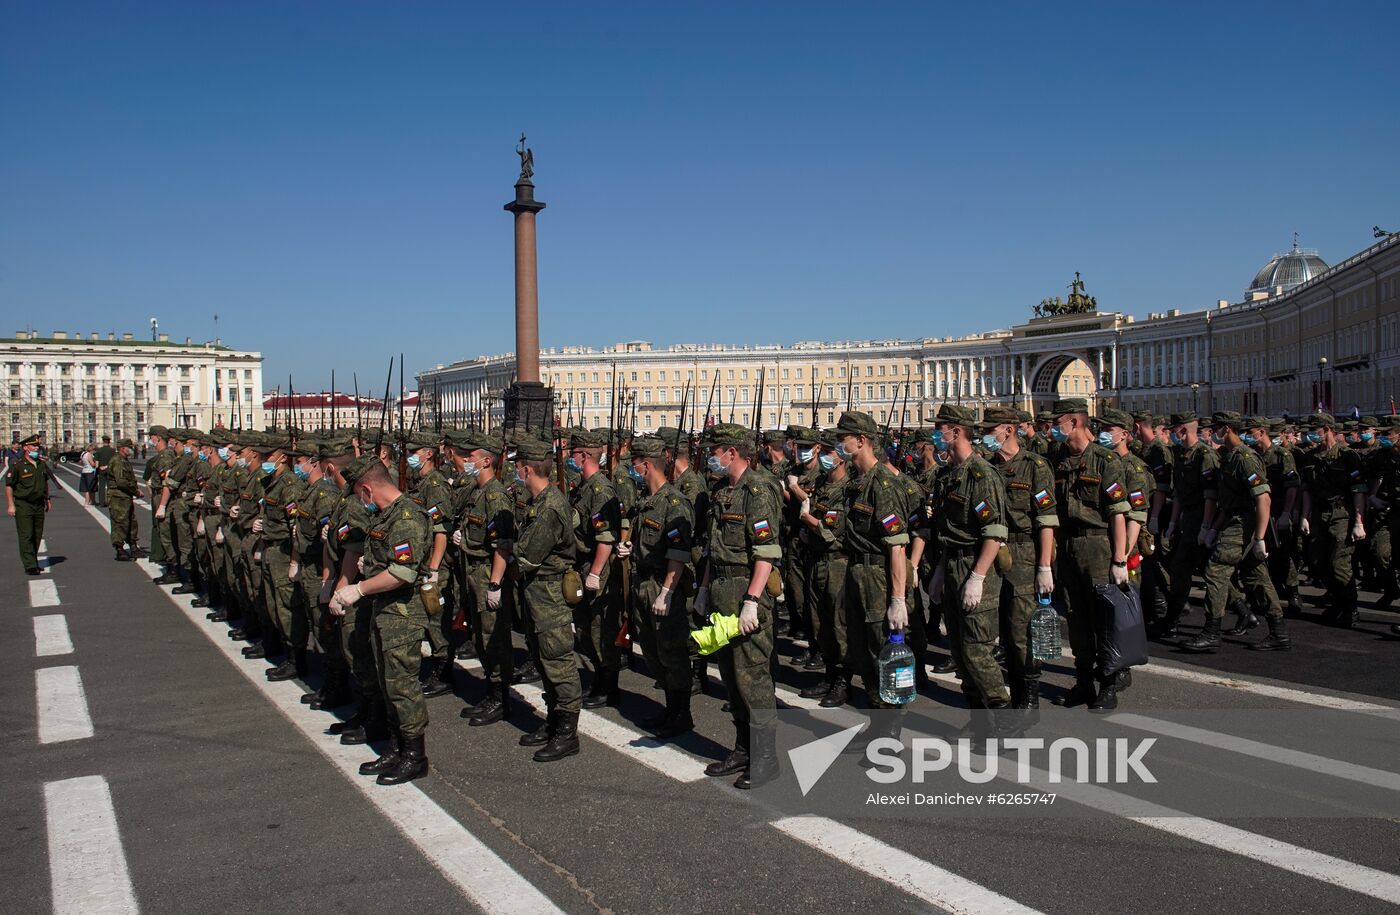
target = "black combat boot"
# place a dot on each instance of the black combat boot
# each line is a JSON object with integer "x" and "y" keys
{"x": 386, "y": 761}
{"x": 287, "y": 670}
{"x": 737, "y": 759}
{"x": 1082, "y": 693}
{"x": 1245, "y": 619}
{"x": 412, "y": 763}
{"x": 812, "y": 660}
{"x": 1107, "y": 699}
{"x": 495, "y": 707}
{"x": 652, "y": 722}
{"x": 187, "y": 583}
{"x": 603, "y": 690}
{"x": 466, "y": 651}
{"x": 169, "y": 575}
{"x": 821, "y": 687}
{"x": 836, "y": 694}
{"x": 1165, "y": 629}
{"x": 763, "y": 765}
{"x": 945, "y": 666}
{"x": 439, "y": 682}
{"x": 679, "y": 722}
{"x": 700, "y": 677}
{"x": 121, "y": 555}
{"x": 334, "y": 693}
{"x": 527, "y": 672}
{"x": 255, "y": 651}
{"x": 1207, "y": 641}
{"x": 312, "y": 697}
{"x": 564, "y": 741}
{"x": 375, "y": 728}
{"x": 1276, "y": 640}
{"x": 542, "y": 734}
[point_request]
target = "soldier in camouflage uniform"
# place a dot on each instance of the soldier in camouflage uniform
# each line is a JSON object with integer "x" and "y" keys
{"x": 170, "y": 506}
{"x": 397, "y": 547}
{"x": 800, "y": 479}
{"x": 153, "y": 475}
{"x": 1240, "y": 542}
{"x": 1334, "y": 507}
{"x": 121, "y": 490}
{"x": 1285, "y": 502}
{"x": 275, "y": 529}
{"x": 1193, "y": 515}
{"x": 823, "y": 528}
{"x": 430, "y": 491}
{"x": 1157, "y": 455}
{"x": 314, "y": 513}
{"x": 745, "y": 522}
{"x": 1382, "y": 515}
{"x": 598, "y": 513}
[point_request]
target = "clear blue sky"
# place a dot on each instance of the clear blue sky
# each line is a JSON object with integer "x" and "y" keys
{"x": 328, "y": 177}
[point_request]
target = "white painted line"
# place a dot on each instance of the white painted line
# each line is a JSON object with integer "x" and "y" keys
{"x": 43, "y": 545}
{"x": 1267, "y": 690}
{"x": 913, "y": 875}
{"x": 43, "y": 592}
{"x": 87, "y": 866}
{"x": 51, "y": 636}
{"x": 62, "y": 705}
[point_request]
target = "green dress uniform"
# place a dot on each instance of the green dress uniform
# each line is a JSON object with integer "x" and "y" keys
{"x": 1030, "y": 509}
{"x": 398, "y": 541}
{"x": 121, "y": 490}
{"x": 28, "y": 482}
{"x": 1240, "y": 481}
{"x": 1193, "y": 485}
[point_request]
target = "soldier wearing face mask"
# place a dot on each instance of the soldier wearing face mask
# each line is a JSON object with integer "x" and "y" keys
{"x": 1334, "y": 507}
{"x": 430, "y": 491}
{"x": 799, "y": 483}
{"x": 27, "y": 499}
{"x": 1193, "y": 511}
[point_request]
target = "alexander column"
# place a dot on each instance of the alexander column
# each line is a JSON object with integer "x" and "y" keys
{"x": 528, "y": 403}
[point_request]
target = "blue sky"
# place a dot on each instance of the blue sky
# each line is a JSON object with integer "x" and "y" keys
{"x": 328, "y": 177}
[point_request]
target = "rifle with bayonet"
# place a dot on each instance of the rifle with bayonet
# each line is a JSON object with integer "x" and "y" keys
{"x": 403, "y": 434}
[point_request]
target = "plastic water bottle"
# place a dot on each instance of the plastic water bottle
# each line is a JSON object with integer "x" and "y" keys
{"x": 1045, "y": 631}
{"x": 896, "y": 671}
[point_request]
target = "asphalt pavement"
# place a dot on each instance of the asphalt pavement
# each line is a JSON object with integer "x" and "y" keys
{"x": 227, "y": 795}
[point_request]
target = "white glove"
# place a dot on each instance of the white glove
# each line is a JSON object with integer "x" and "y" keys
{"x": 791, "y": 480}
{"x": 972, "y": 591}
{"x": 623, "y": 549}
{"x": 806, "y": 506}
{"x": 1284, "y": 523}
{"x": 935, "y": 585}
{"x": 199, "y": 528}
{"x": 457, "y": 538}
{"x": 1044, "y": 580}
{"x": 218, "y": 501}
{"x": 702, "y": 600}
{"x": 592, "y": 582}
{"x": 1206, "y": 537}
{"x": 1305, "y": 527}
{"x": 748, "y": 616}
{"x": 325, "y": 533}
{"x": 235, "y": 510}
{"x": 160, "y": 513}
{"x": 219, "y": 534}
{"x": 348, "y": 596}
{"x": 662, "y": 605}
{"x": 897, "y": 614}
{"x": 257, "y": 525}
{"x": 257, "y": 555}
{"x": 431, "y": 578}
{"x": 360, "y": 565}
{"x": 199, "y": 498}
{"x": 327, "y": 589}
{"x": 493, "y": 597}
{"x": 293, "y": 570}
{"x": 1260, "y": 551}
{"x": 1118, "y": 574}
{"x": 1358, "y": 530}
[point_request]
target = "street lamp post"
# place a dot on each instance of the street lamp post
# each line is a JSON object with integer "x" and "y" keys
{"x": 1195, "y": 397}
{"x": 1321, "y": 364}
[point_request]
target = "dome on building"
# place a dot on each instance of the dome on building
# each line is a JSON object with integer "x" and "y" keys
{"x": 1293, "y": 268}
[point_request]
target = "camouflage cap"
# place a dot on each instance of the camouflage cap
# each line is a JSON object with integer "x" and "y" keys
{"x": 420, "y": 440}
{"x": 125, "y": 443}
{"x": 828, "y": 438}
{"x": 1111, "y": 416}
{"x": 803, "y": 435}
{"x": 1227, "y": 418}
{"x": 775, "y": 437}
{"x": 955, "y": 415}
{"x": 158, "y": 430}
{"x": 220, "y": 437}
{"x": 1045, "y": 416}
{"x": 1369, "y": 422}
{"x": 854, "y": 422}
{"x": 359, "y": 467}
{"x": 1321, "y": 419}
{"x": 1257, "y": 422}
{"x": 1182, "y": 418}
{"x": 1067, "y": 405}
{"x": 1024, "y": 416}
{"x": 1142, "y": 416}
{"x": 331, "y": 449}
{"x": 728, "y": 435}
{"x": 648, "y": 446}
{"x": 998, "y": 415}
{"x": 585, "y": 439}
{"x": 529, "y": 448}
{"x": 670, "y": 436}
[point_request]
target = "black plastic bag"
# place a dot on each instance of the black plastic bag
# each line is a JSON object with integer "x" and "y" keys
{"x": 1122, "y": 632}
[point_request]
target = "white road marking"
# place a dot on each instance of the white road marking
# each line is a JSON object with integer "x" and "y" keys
{"x": 43, "y": 545}
{"x": 911, "y": 874}
{"x": 87, "y": 866}
{"x": 43, "y": 592}
{"x": 62, "y": 705}
{"x": 51, "y": 636}
{"x": 1267, "y": 690}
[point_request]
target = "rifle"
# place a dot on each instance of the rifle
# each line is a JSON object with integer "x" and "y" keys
{"x": 403, "y": 432}
{"x": 384, "y": 407}
{"x": 758, "y": 410}
{"x": 359, "y": 417}
{"x": 292, "y": 423}
{"x": 323, "y": 420}
{"x": 850, "y": 379}
{"x": 680, "y": 430}
{"x": 903, "y": 421}
{"x": 612, "y": 419}
{"x": 815, "y": 425}
{"x": 560, "y": 478}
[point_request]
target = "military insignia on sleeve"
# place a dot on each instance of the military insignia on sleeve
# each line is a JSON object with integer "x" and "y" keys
{"x": 342, "y": 531}
{"x": 674, "y": 534}
{"x": 1136, "y": 499}
{"x": 599, "y": 522}
{"x": 1043, "y": 499}
{"x": 830, "y": 519}
{"x": 435, "y": 513}
{"x": 323, "y": 521}
{"x": 291, "y": 508}
{"x": 403, "y": 552}
{"x": 1356, "y": 474}
{"x": 1114, "y": 491}
{"x": 651, "y": 523}
{"x": 983, "y": 510}
{"x": 1252, "y": 479}
{"x": 891, "y": 523}
{"x": 1208, "y": 473}
{"x": 761, "y": 530}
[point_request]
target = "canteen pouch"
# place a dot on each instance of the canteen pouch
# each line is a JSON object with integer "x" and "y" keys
{"x": 1146, "y": 542}
{"x": 1004, "y": 560}
{"x": 775, "y": 583}
{"x": 432, "y": 599}
{"x": 573, "y": 588}
{"x": 1122, "y": 633}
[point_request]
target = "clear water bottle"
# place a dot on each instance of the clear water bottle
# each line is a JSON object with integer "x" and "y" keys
{"x": 896, "y": 671}
{"x": 1045, "y": 631}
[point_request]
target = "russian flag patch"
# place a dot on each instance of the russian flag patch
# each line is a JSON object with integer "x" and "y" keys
{"x": 983, "y": 510}
{"x": 435, "y": 513}
{"x": 1136, "y": 499}
{"x": 1043, "y": 499}
{"x": 1114, "y": 490}
{"x": 831, "y": 518}
{"x": 761, "y": 530}
{"x": 1253, "y": 479}
{"x": 341, "y": 531}
{"x": 403, "y": 552}
{"x": 891, "y": 523}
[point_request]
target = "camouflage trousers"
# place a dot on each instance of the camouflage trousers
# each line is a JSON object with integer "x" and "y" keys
{"x": 325, "y": 626}
{"x": 826, "y": 581}
{"x": 358, "y": 646}
{"x": 1084, "y": 562}
{"x": 865, "y": 600}
{"x": 744, "y": 664}
{"x": 972, "y": 634}
{"x": 123, "y": 515}
{"x": 1187, "y": 558}
{"x": 665, "y": 640}
{"x": 398, "y": 635}
{"x": 554, "y": 642}
{"x": 490, "y": 628}
{"x": 597, "y": 621}
{"x": 1332, "y": 554}
{"x": 1017, "y": 606}
{"x": 797, "y": 595}
{"x": 282, "y": 597}
{"x": 1383, "y": 529}
{"x": 1231, "y": 558}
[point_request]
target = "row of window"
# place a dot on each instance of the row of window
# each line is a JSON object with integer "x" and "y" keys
{"x": 139, "y": 391}
{"x": 644, "y": 375}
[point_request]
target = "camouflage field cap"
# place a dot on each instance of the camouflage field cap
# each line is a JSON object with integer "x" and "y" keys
{"x": 1067, "y": 405}
{"x": 648, "y": 446}
{"x": 1110, "y": 416}
{"x": 854, "y": 422}
{"x": 998, "y": 415}
{"x": 955, "y": 415}
{"x": 728, "y": 435}
{"x": 529, "y": 448}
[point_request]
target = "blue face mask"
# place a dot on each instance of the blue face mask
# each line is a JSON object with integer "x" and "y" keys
{"x": 635, "y": 474}
{"x": 1176, "y": 439}
{"x": 1248, "y": 440}
{"x": 269, "y": 467}
{"x": 991, "y": 443}
{"x": 1106, "y": 439}
{"x": 1386, "y": 442}
{"x": 187, "y": 449}
{"x": 1368, "y": 437}
{"x": 223, "y": 454}
{"x": 1313, "y": 438}
{"x": 301, "y": 472}
{"x": 1058, "y": 434}
{"x": 241, "y": 463}
{"x": 371, "y": 507}
{"x": 805, "y": 455}
{"x": 939, "y": 442}
{"x": 828, "y": 463}
{"x": 573, "y": 465}
{"x": 940, "y": 458}
{"x": 415, "y": 462}
{"x": 1217, "y": 438}
{"x": 713, "y": 465}
{"x": 519, "y": 479}
{"x": 204, "y": 456}
{"x": 842, "y": 452}
{"x": 471, "y": 470}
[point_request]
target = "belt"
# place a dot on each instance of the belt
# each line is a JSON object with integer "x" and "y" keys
{"x": 1077, "y": 533}
{"x": 730, "y": 568}
{"x": 864, "y": 558}
{"x": 951, "y": 548}
{"x": 1020, "y": 537}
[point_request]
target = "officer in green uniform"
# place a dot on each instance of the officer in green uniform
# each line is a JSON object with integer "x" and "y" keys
{"x": 1031, "y": 520}
{"x": 660, "y": 549}
{"x": 276, "y": 529}
{"x": 744, "y": 536}
{"x": 544, "y": 551}
{"x": 1334, "y": 507}
{"x": 397, "y": 546}
{"x": 486, "y": 534}
{"x": 1240, "y": 533}
{"x": 430, "y": 491}
{"x": 598, "y": 514}
{"x": 27, "y": 500}
{"x": 1193, "y": 514}
{"x": 972, "y": 531}
{"x": 121, "y": 489}
{"x": 1092, "y": 499}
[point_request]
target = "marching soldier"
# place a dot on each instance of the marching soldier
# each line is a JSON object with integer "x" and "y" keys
{"x": 1239, "y": 540}
{"x": 1157, "y": 455}
{"x": 27, "y": 500}
{"x": 121, "y": 490}
{"x": 599, "y": 515}
{"x": 799, "y": 480}
{"x": 1193, "y": 515}
{"x": 1334, "y": 507}
{"x": 1284, "y": 503}
{"x": 823, "y": 521}
{"x": 1384, "y": 518}
{"x": 430, "y": 491}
